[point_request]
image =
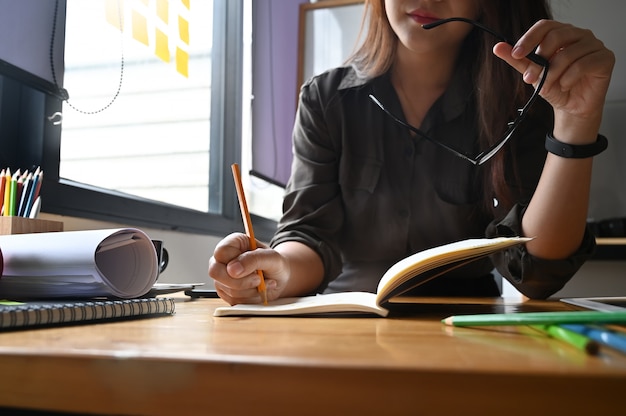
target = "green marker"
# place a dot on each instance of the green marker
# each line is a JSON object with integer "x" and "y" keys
{"x": 572, "y": 338}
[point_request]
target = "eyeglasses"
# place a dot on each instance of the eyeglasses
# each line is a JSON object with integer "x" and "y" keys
{"x": 485, "y": 155}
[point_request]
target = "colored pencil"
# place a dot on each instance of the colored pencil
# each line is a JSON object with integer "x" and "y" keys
{"x": 38, "y": 184}
{"x": 37, "y": 176}
{"x": 575, "y": 339}
{"x": 247, "y": 223}
{"x": 600, "y": 334}
{"x": 7, "y": 194}
{"x": 13, "y": 193}
{"x": 28, "y": 184}
{"x": 34, "y": 211}
{"x": 3, "y": 181}
{"x": 537, "y": 318}
{"x": 19, "y": 185}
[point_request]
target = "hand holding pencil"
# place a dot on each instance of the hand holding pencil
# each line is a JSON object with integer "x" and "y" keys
{"x": 247, "y": 222}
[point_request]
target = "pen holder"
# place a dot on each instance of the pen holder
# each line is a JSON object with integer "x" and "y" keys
{"x": 20, "y": 225}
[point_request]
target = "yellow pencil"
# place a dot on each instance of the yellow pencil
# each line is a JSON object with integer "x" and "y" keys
{"x": 7, "y": 194}
{"x": 247, "y": 223}
{"x": 3, "y": 181}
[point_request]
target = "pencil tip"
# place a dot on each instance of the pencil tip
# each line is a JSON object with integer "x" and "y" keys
{"x": 448, "y": 321}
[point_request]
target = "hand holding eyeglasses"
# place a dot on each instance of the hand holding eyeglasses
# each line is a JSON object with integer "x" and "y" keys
{"x": 574, "y": 79}
{"x": 580, "y": 68}
{"x": 486, "y": 154}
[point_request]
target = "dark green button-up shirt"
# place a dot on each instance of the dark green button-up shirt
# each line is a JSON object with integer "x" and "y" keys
{"x": 364, "y": 192}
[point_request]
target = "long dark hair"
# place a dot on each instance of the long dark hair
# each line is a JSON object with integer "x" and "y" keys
{"x": 511, "y": 18}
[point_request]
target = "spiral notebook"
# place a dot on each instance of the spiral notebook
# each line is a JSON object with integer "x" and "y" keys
{"x": 15, "y": 315}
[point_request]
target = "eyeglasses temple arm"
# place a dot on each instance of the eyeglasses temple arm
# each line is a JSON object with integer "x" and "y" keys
{"x": 420, "y": 133}
{"x": 539, "y": 60}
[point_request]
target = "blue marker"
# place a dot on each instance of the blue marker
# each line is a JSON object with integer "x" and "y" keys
{"x": 602, "y": 335}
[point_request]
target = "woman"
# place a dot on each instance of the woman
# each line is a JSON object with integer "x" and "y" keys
{"x": 366, "y": 190}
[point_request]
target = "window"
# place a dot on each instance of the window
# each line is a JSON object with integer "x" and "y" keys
{"x": 152, "y": 139}
{"x": 160, "y": 154}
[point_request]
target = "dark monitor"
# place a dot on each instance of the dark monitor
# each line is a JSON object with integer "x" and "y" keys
{"x": 38, "y": 28}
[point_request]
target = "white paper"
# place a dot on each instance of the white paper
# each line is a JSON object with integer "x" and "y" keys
{"x": 344, "y": 302}
{"x": 118, "y": 262}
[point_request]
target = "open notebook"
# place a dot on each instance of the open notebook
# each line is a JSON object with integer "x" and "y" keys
{"x": 403, "y": 276}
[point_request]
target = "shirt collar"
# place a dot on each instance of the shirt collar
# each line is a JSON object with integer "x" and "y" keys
{"x": 452, "y": 103}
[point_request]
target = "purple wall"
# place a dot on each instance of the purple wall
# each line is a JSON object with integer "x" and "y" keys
{"x": 274, "y": 61}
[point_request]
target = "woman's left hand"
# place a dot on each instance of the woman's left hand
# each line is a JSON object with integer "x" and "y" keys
{"x": 579, "y": 73}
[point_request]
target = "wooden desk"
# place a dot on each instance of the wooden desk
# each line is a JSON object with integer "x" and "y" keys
{"x": 192, "y": 363}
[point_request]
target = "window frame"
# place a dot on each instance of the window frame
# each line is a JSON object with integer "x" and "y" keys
{"x": 41, "y": 145}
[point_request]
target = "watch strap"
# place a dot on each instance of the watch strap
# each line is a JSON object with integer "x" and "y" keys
{"x": 576, "y": 151}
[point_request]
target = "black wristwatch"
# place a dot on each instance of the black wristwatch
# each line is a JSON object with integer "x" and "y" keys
{"x": 580, "y": 151}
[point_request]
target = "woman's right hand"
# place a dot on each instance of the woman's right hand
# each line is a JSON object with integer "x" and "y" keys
{"x": 234, "y": 268}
